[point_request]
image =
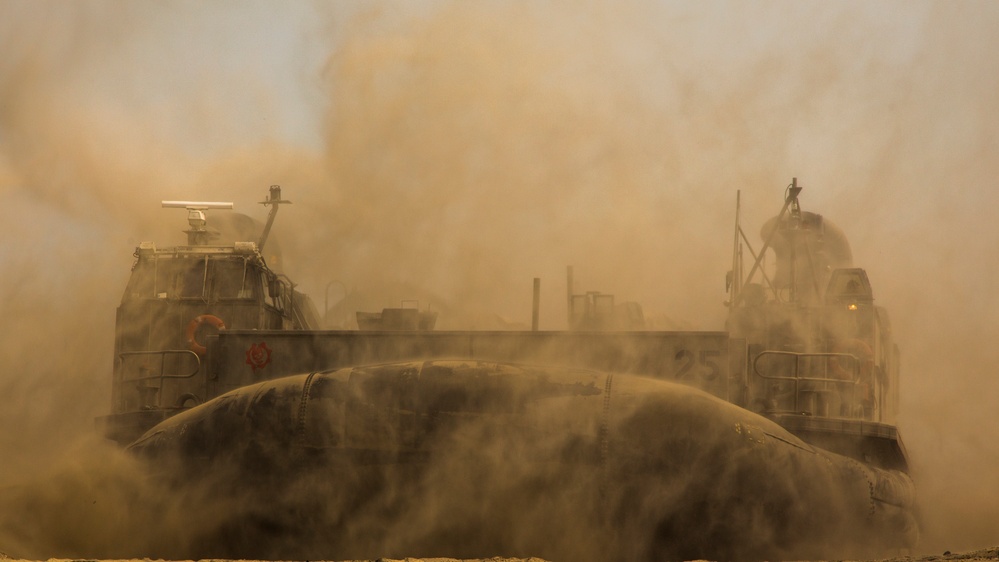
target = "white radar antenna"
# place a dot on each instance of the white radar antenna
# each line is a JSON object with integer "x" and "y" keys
{"x": 198, "y": 234}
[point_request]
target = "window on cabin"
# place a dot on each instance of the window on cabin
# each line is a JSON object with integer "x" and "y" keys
{"x": 167, "y": 278}
{"x": 140, "y": 284}
{"x": 188, "y": 278}
{"x": 231, "y": 279}
{"x": 848, "y": 284}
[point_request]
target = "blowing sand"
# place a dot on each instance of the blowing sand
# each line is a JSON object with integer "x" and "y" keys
{"x": 984, "y": 554}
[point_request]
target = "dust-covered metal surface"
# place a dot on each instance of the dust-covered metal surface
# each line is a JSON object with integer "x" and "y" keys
{"x": 711, "y": 361}
{"x": 469, "y": 458}
{"x": 772, "y": 439}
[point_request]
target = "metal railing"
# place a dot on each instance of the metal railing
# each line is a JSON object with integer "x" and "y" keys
{"x": 849, "y": 384}
{"x": 163, "y": 353}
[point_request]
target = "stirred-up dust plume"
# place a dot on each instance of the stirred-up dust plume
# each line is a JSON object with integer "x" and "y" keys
{"x": 469, "y": 458}
{"x": 451, "y": 152}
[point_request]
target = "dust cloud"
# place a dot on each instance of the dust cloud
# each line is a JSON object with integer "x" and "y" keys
{"x": 451, "y": 152}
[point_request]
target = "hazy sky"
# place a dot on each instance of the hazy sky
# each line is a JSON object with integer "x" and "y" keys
{"x": 453, "y": 151}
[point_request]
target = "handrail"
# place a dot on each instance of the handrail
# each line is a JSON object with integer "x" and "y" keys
{"x": 161, "y": 376}
{"x": 853, "y": 381}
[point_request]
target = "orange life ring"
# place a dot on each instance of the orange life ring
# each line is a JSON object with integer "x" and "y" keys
{"x": 192, "y": 328}
{"x": 858, "y": 349}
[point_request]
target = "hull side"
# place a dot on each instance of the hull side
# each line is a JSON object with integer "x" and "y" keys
{"x": 470, "y": 459}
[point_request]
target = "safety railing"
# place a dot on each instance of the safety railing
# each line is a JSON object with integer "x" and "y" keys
{"x": 847, "y": 385}
{"x": 146, "y": 393}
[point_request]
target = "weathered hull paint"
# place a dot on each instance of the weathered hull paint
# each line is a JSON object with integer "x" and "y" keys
{"x": 467, "y": 458}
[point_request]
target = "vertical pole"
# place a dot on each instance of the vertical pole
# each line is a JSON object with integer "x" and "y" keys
{"x": 568, "y": 299}
{"x": 537, "y": 304}
{"x": 793, "y": 238}
{"x": 736, "y": 287}
{"x": 275, "y": 200}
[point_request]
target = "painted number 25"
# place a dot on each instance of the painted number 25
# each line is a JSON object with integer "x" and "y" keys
{"x": 686, "y": 360}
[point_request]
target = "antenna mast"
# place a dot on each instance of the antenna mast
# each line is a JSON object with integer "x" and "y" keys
{"x": 275, "y": 200}
{"x": 735, "y": 274}
{"x": 791, "y": 197}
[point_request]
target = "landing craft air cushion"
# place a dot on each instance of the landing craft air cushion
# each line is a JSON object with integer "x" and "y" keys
{"x": 772, "y": 439}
